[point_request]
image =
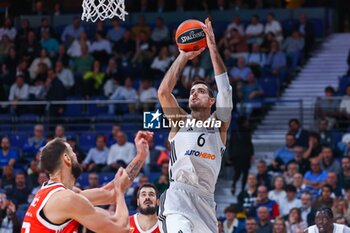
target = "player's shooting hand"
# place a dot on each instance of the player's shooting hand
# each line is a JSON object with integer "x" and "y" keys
{"x": 191, "y": 54}
{"x": 208, "y": 30}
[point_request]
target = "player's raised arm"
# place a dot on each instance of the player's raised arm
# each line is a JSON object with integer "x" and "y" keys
{"x": 106, "y": 194}
{"x": 75, "y": 206}
{"x": 166, "y": 98}
{"x": 224, "y": 103}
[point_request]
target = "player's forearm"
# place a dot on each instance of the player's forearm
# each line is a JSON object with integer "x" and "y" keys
{"x": 121, "y": 212}
{"x": 99, "y": 196}
{"x": 218, "y": 63}
{"x": 172, "y": 76}
{"x": 135, "y": 166}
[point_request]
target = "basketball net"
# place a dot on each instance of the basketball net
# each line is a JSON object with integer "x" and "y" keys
{"x": 103, "y": 9}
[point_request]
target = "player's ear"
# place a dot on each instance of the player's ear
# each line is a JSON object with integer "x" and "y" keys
{"x": 67, "y": 159}
{"x": 211, "y": 101}
{"x": 158, "y": 202}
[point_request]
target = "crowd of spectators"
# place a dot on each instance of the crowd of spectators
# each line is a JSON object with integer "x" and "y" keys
{"x": 312, "y": 170}
{"x": 120, "y": 62}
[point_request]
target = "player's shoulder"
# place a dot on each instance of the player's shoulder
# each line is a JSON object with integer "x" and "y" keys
{"x": 66, "y": 198}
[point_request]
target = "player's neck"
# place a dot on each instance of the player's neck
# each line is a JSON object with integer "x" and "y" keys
{"x": 200, "y": 115}
{"x": 146, "y": 222}
{"x": 66, "y": 179}
{"x": 331, "y": 229}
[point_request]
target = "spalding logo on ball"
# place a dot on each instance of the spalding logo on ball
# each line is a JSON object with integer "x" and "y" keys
{"x": 190, "y": 35}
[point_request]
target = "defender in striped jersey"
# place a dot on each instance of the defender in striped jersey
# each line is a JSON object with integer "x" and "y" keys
{"x": 196, "y": 149}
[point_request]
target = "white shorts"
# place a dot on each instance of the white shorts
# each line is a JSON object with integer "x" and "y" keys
{"x": 186, "y": 209}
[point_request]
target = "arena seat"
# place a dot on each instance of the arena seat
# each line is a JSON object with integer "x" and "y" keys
{"x": 336, "y": 136}
{"x": 28, "y": 118}
{"x": 70, "y": 134}
{"x": 106, "y": 177}
{"x": 5, "y": 128}
{"x": 220, "y": 27}
{"x": 288, "y": 25}
{"x": 96, "y": 109}
{"x": 101, "y": 128}
{"x": 128, "y": 126}
{"x": 6, "y": 118}
{"x": 160, "y": 137}
{"x": 270, "y": 86}
{"x": 25, "y": 128}
{"x": 18, "y": 139}
{"x": 21, "y": 211}
{"x": 73, "y": 109}
{"x": 87, "y": 141}
{"x": 83, "y": 179}
{"x": 153, "y": 175}
{"x": 106, "y": 117}
{"x": 318, "y": 27}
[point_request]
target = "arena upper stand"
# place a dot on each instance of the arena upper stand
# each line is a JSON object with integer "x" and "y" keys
{"x": 90, "y": 83}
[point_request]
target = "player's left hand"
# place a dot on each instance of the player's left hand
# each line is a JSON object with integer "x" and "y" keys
{"x": 121, "y": 182}
{"x": 141, "y": 142}
{"x": 208, "y": 30}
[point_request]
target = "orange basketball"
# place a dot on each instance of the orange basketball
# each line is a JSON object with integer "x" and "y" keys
{"x": 190, "y": 35}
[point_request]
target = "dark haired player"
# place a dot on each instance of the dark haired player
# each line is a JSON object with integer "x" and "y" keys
{"x": 146, "y": 220}
{"x": 195, "y": 160}
{"x": 324, "y": 223}
{"x": 56, "y": 208}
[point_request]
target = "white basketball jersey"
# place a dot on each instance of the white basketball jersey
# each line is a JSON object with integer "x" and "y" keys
{"x": 195, "y": 157}
{"x": 338, "y": 228}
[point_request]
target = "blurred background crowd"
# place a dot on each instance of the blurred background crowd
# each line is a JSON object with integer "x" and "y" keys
{"x": 114, "y": 60}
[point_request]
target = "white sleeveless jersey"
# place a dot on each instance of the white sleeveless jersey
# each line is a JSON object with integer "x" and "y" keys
{"x": 338, "y": 228}
{"x": 195, "y": 157}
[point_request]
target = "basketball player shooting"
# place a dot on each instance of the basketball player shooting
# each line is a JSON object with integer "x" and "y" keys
{"x": 56, "y": 208}
{"x": 188, "y": 205}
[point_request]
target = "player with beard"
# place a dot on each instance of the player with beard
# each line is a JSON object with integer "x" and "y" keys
{"x": 324, "y": 223}
{"x": 145, "y": 221}
{"x": 56, "y": 208}
{"x": 188, "y": 205}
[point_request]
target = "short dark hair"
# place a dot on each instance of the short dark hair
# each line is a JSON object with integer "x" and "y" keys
{"x": 101, "y": 136}
{"x": 251, "y": 219}
{"x": 51, "y": 154}
{"x": 329, "y": 89}
{"x": 294, "y": 120}
{"x": 326, "y": 210}
{"x": 315, "y": 135}
{"x": 262, "y": 161}
{"x": 147, "y": 185}
{"x": 231, "y": 209}
{"x": 211, "y": 93}
{"x": 290, "y": 188}
{"x": 328, "y": 186}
